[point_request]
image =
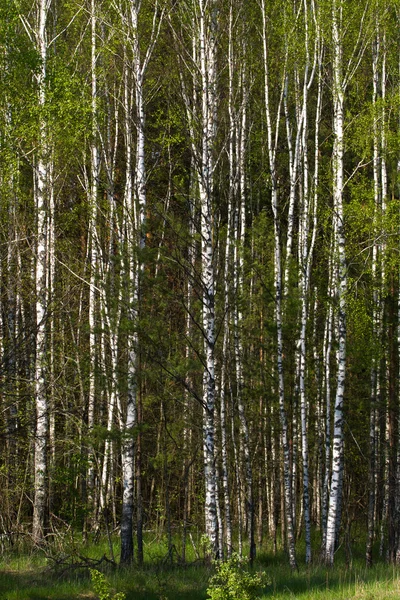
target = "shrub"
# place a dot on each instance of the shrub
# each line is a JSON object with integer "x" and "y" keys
{"x": 233, "y": 582}
{"x": 102, "y": 588}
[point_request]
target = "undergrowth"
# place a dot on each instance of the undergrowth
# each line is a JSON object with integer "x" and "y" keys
{"x": 30, "y": 575}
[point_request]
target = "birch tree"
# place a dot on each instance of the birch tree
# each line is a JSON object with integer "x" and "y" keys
{"x": 341, "y": 79}
{"x": 306, "y": 249}
{"x": 42, "y": 202}
{"x": 93, "y": 242}
{"x": 207, "y": 15}
{"x": 135, "y": 68}
{"x": 272, "y": 143}
{"x": 337, "y": 160}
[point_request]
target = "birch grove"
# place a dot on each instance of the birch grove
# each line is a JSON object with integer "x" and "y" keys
{"x": 199, "y": 330}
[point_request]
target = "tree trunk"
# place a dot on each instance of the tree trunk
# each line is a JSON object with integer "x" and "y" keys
{"x": 41, "y": 366}
{"x": 205, "y": 175}
{"x": 335, "y": 498}
{"x": 272, "y": 139}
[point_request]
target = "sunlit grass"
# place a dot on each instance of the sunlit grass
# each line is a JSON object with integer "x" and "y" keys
{"x": 28, "y": 575}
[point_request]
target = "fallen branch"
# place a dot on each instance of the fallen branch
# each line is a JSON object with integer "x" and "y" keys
{"x": 64, "y": 563}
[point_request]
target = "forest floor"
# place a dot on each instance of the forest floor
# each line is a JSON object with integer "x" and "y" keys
{"x": 37, "y": 576}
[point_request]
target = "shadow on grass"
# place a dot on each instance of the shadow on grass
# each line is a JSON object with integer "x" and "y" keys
{"x": 158, "y": 581}
{"x": 145, "y": 584}
{"x": 169, "y": 582}
{"x": 317, "y": 580}
{"x": 39, "y": 585}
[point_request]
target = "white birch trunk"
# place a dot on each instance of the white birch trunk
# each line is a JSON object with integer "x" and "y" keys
{"x": 93, "y": 254}
{"x": 42, "y": 207}
{"x": 11, "y": 327}
{"x": 135, "y": 206}
{"x": 272, "y": 139}
{"x": 187, "y": 432}
{"x": 223, "y": 383}
{"x": 207, "y": 74}
{"x": 128, "y": 445}
{"x": 272, "y": 520}
{"x": 338, "y": 151}
{"x": 238, "y": 483}
{"x": 50, "y": 263}
{"x": 385, "y": 494}
{"x": 375, "y": 314}
{"x": 306, "y": 249}
{"x": 240, "y": 224}
{"x": 140, "y": 203}
{"x": 294, "y": 159}
{"x": 397, "y": 474}
{"x": 134, "y": 216}
{"x": 327, "y": 349}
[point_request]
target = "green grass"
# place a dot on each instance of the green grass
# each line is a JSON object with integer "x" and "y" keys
{"x": 317, "y": 583}
{"x": 27, "y": 576}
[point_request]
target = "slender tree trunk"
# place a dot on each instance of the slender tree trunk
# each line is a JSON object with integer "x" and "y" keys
{"x": 223, "y": 386}
{"x": 375, "y": 319}
{"x": 327, "y": 350}
{"x": 42, "y": 208}
{"x": 128, "y": 445}
{"x": 240, "y": 225}
{"x": 208, "y": 73}
{"x": 272, "y": 147}
{"x": 335, "y": 498}
{"x": 136, "y": 221}
{"x": 93, "y": 245}
{"x": 306, "y": 249}
{"x": 396, "y": 557}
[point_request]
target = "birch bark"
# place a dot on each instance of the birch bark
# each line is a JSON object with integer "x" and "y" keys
{"x": 337, "y": 160}
{"x": 375, "y": 313}
{"x": 135, "y": 214}
{"x": 238, "y": 270}
{"x": 42, "y": 206}
{"x": 128, "y": 445}
{"x": 207, "y": 24}
{"x": 93, "y": 254}
{"x": 272, "y": 142}
{"x": 327, "y": 350}
{"x": 306, "y": 248}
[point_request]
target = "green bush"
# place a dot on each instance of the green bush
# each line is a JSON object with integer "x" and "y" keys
{"x": 233, "y": 582}
{"x": 102, "y": 588}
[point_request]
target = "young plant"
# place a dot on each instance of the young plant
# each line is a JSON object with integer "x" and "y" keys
{"x": 232, "y": 582}
{"x": 102, "y": 588}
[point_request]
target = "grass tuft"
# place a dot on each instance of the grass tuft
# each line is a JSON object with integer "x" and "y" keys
{"x": 27, "y": 576}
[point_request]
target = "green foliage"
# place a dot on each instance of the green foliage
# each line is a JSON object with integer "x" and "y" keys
{"x": 25, "y": 575}
{"x": 102, "y": 587}
{"x": 232, "y": 582}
